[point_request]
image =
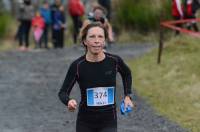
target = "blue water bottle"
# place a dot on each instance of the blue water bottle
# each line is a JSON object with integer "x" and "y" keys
{"x": 124, "y": 110}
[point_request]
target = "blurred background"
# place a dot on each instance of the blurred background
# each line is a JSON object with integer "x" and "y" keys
{"x": 130, "y": 19}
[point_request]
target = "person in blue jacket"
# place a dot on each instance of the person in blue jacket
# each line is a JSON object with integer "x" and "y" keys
{"x": 46, "y": 14}
{"x": 59, "y": 27}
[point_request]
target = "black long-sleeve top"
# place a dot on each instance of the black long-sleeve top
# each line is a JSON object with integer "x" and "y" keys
{"x": 95, "y": 74}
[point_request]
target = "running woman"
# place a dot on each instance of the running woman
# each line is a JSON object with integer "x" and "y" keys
{"x": 95, "y": 73}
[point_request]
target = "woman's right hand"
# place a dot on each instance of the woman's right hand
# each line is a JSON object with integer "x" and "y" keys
{"x": 72, "y": 105}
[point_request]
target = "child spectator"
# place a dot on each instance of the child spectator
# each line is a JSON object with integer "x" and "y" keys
{"x": 38, "y": 25}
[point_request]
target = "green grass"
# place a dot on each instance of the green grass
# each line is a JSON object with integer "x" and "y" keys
{"x": 173, "y": 87}
{"x": 140, "y": 15}
{"x": 135, "y": 37}
{"x": 4, "y": 24}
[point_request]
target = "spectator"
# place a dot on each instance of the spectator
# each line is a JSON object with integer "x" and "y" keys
{"x": 99, "y": 15}
{"x": 38, "y": 25}
{"x": 25, "y": 15}
{"x": 177, "y": 11}
{"x": 107, "y": 5}
{"x": 190, "y": 14}
{"x": 195, "y": 5}
{"x": 54, "y": 8}
{"x": 58, "y": 27}
{"x": 46, "y": 14}
{"x": 76, "y": 10}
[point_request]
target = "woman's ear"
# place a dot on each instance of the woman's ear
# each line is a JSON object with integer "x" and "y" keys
{"x": 84, "y": 43}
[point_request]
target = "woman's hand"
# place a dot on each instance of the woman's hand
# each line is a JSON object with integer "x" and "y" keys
{"x": 128, "y": 102}
{"x": 72, "y": 105}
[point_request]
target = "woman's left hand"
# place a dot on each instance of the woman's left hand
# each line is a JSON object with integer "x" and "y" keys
{"x": 128, "y": 102}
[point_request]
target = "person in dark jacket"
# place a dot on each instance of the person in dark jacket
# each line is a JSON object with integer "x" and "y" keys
{"x": 59, "y": 27}
{"x": 54, "y": 8}
{"x": 190, "y": 12}
{"x": 107, "y": 5}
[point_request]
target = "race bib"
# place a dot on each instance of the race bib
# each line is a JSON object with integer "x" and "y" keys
{"x": 100, "y": 96}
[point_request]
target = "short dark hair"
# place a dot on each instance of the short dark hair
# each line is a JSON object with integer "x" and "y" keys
{"x": 100, "y": 8}
{"x": 45, "y": 2}
{"x": 91, "y": 25}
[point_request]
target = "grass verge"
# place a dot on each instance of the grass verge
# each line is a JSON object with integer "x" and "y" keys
{"x": 134, "y": 37}
{"x": 173, "y": 87}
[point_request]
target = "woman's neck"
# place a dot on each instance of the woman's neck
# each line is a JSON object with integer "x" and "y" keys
{"x": 95, "y": 57}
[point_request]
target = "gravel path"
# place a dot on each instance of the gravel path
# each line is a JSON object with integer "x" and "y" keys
{"x": 30, "y": 81}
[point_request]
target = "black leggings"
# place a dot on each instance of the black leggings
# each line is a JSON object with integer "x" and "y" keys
{"x": 77, "y": 24}
{"x": 58, "y": 40}
{"x": 84, "y": 127}
{"x": 23, "y": 32}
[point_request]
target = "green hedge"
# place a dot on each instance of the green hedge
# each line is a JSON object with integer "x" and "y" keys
{"x": 4, "y": 23}
{"x": 141, "y": 15}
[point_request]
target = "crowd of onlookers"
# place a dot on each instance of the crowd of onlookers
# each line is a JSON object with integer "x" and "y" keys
{"x": 48, "y": 23}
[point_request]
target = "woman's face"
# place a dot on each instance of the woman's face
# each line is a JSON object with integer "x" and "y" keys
{"x": 95, "y": 40}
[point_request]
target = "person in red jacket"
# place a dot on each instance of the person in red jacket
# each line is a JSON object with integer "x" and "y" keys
{"x": 76, "y": 10}
{"x": 177, "y": 11}
{"x": 190, "y": 14}
{"x": 38, "y": 25}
